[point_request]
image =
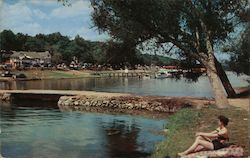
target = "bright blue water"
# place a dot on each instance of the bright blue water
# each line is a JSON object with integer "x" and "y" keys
{"x": 30, "y": 132}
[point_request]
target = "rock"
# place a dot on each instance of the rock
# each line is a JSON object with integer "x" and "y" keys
{"x": 87, "y": 103}
{"x": 121, "y": 103}
{"x": 143, "y": 105}
{"x": 157, "y": 109}
{"x": 105, "y": 102}
{"x": 94, "y": 103}
{"x": 165, "y": 130}
{"x": 59, "y": 102}
{"x": 129, "y": 106}
{"x": 6, "y": 97}
{"x": 76, "y": 103}
{"x": 99, "y": 103}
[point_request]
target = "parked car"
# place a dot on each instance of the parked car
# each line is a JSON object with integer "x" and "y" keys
{"x": 2, "y": 67}
{"x": 6, "y": 74}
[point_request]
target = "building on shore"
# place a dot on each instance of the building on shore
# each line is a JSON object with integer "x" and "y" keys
{"x": 21, "y": 59}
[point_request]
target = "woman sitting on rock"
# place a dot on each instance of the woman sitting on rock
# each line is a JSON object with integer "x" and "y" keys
{"x": 210, "y": 141}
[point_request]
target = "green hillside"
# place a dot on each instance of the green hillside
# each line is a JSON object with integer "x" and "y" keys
{"x": 157, "y": 59}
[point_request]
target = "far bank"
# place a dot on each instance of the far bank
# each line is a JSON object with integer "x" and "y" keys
{"x": 33, "y": 74}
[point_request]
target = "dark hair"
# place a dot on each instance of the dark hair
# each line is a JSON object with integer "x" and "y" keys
{"x": 223, "y": 119}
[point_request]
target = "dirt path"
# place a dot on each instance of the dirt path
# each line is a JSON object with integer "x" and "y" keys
{"x": 243, "y": 103}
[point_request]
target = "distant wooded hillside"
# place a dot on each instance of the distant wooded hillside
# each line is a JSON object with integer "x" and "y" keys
{"x": 63, "y": 49}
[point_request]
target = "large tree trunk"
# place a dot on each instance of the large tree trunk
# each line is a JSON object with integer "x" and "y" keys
{"x": 217, "y": 88}
{"x": 224, "y": 80}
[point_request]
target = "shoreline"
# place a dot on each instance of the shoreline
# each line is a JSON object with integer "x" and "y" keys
{"x": 85, "y": 100}
{"x": 151, "y": 106}
{"x": 104, "y": 102}
{"x": 70, "y": 74}
{"x": 182, "y": 126}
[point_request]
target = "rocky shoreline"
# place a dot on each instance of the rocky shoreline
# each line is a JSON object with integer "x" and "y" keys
{"x": 101, "y": 102}
{"x": 130, "y": 104}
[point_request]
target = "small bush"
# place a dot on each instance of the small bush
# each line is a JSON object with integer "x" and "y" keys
{"x": 21, "y": 76}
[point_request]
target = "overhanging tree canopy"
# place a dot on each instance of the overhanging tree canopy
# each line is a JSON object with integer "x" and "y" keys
{"x": 193, "y": 26}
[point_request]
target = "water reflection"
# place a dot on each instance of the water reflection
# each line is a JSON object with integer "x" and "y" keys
{"x": 163, "y": 87}
{"x": 120, "y": 136}
{"x": 47, "y": 132}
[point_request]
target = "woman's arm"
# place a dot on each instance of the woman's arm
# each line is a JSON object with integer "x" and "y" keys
{"x": 209, "y": 135}
{"x": 213, "y": 134}
{"x": 215, "y": 131}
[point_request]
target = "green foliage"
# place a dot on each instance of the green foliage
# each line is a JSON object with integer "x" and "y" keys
{"x": 61, "y": 47}
{"x": 178, "y": 137}
{"x": 183, "y": 125}
{"x": 8, "y": 40}
{"x": 240, "y": 59}
{"x": 156, "y": 59}
{"x": 34, "y": 44}
{"x": 184, "y": 118}
{"x": 185, "y": 24}
{"x": 21, "y": 76}
{"x": 120, "y": 53}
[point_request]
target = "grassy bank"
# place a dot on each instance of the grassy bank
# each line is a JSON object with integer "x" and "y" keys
{"x": 183, "y": 125}
{"x": 55, "y": 74}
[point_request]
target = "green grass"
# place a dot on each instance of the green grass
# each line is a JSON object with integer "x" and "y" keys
{"x": 183, "y": 125}
{"x": 47, "y": 74}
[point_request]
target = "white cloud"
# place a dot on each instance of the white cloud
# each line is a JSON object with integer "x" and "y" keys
{"x": 31, "y": 28}
{"x": 37, "y": 16}
{"x": 43, "y": 2}
{"x": 38, "y": 13}
{"x": 20, "y": 18}
{"x": 18, "y": 12}
{"x": 1, "y": 3}
{"x": 77, "y": 8}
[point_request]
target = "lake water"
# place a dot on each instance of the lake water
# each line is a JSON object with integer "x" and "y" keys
{"x": 161, "y": 87}
{"x": 28, "y": 132}
{"x": 47, "y": 132}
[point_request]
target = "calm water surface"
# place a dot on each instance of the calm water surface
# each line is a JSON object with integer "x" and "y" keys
{"x": 35, "y": 132}
{"x": 47, "y": 132}
{"x": 161, "y": 87}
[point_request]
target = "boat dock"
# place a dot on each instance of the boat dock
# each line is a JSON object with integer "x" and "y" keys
{"x": 123, "y": 73}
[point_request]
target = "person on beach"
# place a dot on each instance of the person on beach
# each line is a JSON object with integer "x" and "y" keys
{"x": 210, "y": 141}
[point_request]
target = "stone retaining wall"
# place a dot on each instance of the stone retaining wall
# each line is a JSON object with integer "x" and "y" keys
{"x": 122, "y": 103}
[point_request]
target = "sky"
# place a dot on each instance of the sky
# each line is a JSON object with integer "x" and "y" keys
{"x": 48, "y": 16}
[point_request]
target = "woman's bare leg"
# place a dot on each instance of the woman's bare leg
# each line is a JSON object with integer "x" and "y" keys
{"x": 205, "y": 144}
{"x": 200, "y": 147}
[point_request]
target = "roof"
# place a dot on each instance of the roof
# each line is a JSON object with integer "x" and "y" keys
{"x": 31, "y": 55}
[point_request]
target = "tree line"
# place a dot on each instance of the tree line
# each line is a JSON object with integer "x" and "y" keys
{"x": 63, "y": 49}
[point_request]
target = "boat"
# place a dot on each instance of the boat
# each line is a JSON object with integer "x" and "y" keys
{"x": 147, "y": 76}
{"x": 163, "y": 73}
